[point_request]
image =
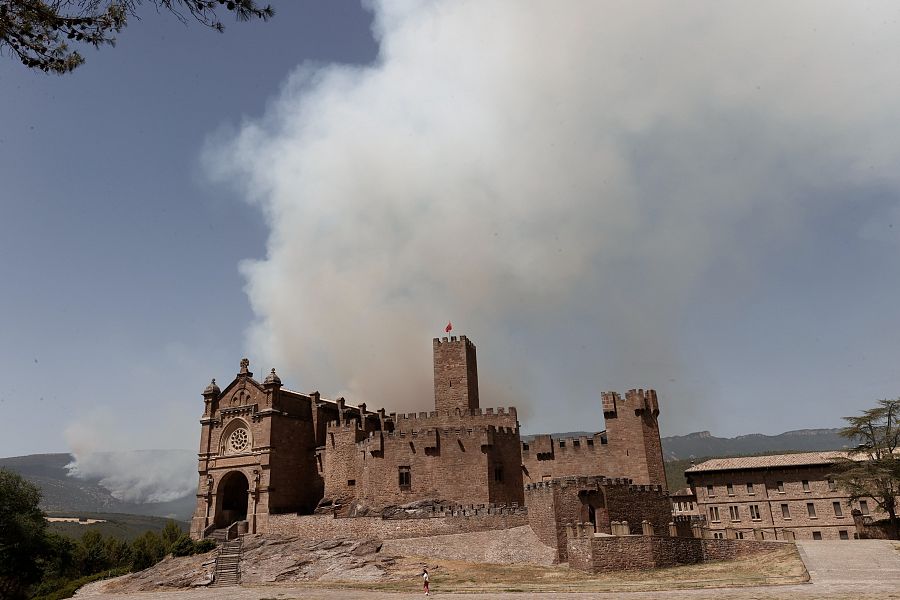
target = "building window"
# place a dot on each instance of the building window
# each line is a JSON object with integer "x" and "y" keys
{"x": 785, "y": 511}
{"x": 351, "y": 482}
{"x": 817, "y": 535}
{"x": 710, "y": 491}
{"x": 729, "y": 489}
{"x": 806, "y": 485}
{"x": 843, "y": 534}
{"x": 525, "y": 447}
{"x": 739, "y": 535}
{"x": 405, "y": 478}
{"x": 719, "y": 535}
{"x": 832, "y": 485}
{"x": 811, "y": 510}
{"x": 714, "y": 514}
{"x": 690, "y": 506}
{"x": 750, "y": 489}
{"x": 780, "y": 486}
{"x": 838, "y": 511}
{"x": 754, "y": 512}
{"x": 590, "y": 442}
{"x": 576, "y": 443}
{"x": 864, "y": 507}
{"x": 562, "y": 443}
{"x": 498, "y": 472}
{"x": 734, "y": 513}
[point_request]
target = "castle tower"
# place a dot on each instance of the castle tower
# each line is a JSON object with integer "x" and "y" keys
{"x": 455, "y": 375}
{"x": 635, "y": 448}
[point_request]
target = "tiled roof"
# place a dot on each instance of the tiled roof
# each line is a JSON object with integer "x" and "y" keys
{"x": 801, "y": 459}
{"x": 683, "y": 492}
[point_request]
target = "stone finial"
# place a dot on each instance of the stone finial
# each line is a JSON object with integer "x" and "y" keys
{"x": 212, "y": 389}
{"x": 272, "y": 378}
{"x": 245, "y": 367}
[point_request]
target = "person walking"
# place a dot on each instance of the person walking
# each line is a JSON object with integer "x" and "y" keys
{"x": 425, "y": 579}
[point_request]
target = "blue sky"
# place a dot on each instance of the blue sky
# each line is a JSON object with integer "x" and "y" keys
{"x": 702, "y": 201}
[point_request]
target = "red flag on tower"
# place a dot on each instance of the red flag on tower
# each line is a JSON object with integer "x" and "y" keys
{"x": 449, "y": 327}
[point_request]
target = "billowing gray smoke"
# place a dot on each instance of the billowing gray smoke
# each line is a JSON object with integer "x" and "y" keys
{"x": 139, "y": 476}
{"x": 562, "y": 180}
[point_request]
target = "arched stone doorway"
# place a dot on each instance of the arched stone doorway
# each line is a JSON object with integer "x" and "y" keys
{"x": 593, "y": 510}
{"x": 231, "y": 499}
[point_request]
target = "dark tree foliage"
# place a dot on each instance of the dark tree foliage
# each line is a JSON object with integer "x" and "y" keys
{"x": 42, "y": 33}
{"x": 22, "y": 534}
{"x": 873, "y": 467}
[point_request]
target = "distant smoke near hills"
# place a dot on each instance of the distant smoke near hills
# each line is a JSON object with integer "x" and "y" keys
{"x": 96, "y": 491}
{"x": 162, "y": 482}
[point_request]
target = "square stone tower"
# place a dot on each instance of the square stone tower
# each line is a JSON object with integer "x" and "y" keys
{"x": 455, "y": 375}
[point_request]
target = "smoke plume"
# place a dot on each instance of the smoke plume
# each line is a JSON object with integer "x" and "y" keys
{"x": 562, "y": 180}
{"x": 138, "y": 476}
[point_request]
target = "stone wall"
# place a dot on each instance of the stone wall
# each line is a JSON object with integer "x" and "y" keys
{"x": 463, "y": 465}
{"x": 326, "y": 527}
{"x": 629, "y": 448}
{"x": 599, "y": 554}
{"x": 595, "y": 501}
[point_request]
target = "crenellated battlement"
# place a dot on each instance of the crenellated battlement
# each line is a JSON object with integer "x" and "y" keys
{"x": 596, "y": 481}
{"x": 478, "y": 413}
{"x": 461, "y": 510}
{"x": 638, "y": 400}
{"x": 438, "y": 342}
{"x": 451, "y": 433}
{"x": 546, "y": 445}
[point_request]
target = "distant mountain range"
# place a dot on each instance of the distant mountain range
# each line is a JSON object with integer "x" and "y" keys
{"x": 704, "y": 444}
{"x": 68, "y": 495}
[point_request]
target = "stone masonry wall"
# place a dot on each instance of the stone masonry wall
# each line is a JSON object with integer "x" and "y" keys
{"x": 554, "y": 504}
{"x": 629, "y": 448}
{"x": 326, "y": 527}
{"x": 598, "y": 554}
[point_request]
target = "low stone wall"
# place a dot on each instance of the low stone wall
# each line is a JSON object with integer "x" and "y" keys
{"x": 326, "y": 527}
{"x": 599, "y": 554}
{"x": 515, "y": 546}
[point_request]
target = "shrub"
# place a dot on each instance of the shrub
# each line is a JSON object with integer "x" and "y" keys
{"x": 183, "y": 546}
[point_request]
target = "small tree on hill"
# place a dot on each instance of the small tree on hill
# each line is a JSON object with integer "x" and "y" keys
{"x": 872, "y": 469}
{"x": 170, "y": 533}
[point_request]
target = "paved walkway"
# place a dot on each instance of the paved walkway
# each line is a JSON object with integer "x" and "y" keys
{"x": 841, "y": 570}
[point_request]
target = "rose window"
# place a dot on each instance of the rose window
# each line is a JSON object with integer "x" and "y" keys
{"x": 238, "y": 441}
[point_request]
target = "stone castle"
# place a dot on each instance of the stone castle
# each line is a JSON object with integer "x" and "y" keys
{"x": 268, "y": 453}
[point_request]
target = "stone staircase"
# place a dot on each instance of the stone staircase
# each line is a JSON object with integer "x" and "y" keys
{"x": 228, "y": 562}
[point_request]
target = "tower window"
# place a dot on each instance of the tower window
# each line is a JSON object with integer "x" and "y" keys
{"x": 498, "y": 472}
{"x": 405, "y": 478}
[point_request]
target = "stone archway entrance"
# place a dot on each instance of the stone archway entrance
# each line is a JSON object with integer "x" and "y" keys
{"x": 231, "y": 499}
{"x": 593, "y": 510}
